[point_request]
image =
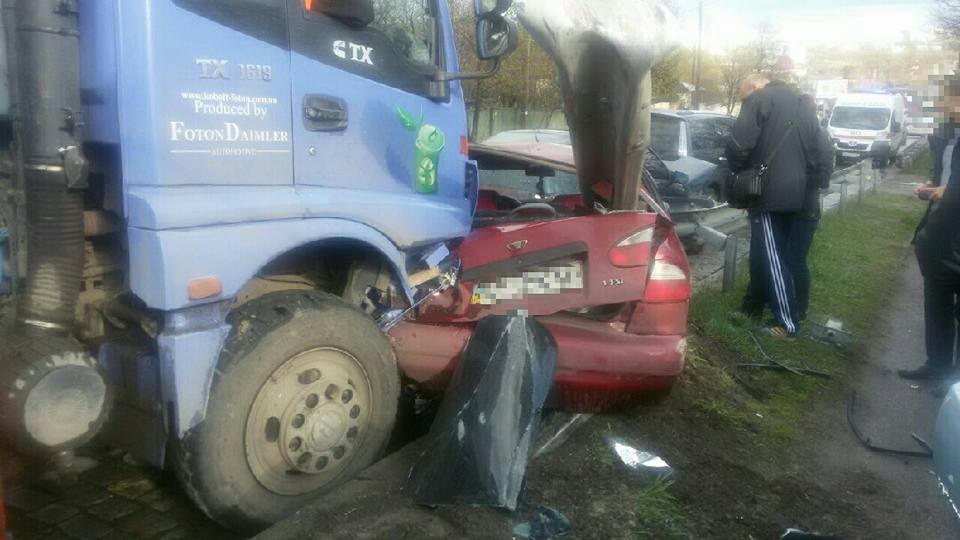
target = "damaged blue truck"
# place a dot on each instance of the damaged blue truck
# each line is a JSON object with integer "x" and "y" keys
{"x": 214, "y": 211}
{"x": 172, "y": 164}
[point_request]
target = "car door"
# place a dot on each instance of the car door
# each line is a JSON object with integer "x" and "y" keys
{"x": 370, "y": 143}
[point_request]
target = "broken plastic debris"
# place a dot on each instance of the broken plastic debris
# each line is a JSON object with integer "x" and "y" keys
{"x": 547, "y": 524}
{"x": 556, "y": 437}
{"x": 797, "y": 534}
{"x": 640, "y": 461}
{"x": 832, "y": 331}
{"x": 480, "y": 443}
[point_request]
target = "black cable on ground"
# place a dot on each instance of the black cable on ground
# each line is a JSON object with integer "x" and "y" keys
{"x": 851, "y": 405}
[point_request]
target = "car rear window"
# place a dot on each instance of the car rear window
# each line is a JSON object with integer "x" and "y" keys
{"x": 665, "y": 135}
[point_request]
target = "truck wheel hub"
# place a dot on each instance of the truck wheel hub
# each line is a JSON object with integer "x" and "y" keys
{"x": 329, "y": 426}
{"x": 308, "y": 421}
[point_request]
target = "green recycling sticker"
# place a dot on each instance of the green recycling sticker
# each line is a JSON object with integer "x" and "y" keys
{"x": 429, "y": 144}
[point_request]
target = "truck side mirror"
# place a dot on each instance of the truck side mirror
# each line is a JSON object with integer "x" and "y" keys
{"x": 483, "y": 7}
{"x": 355, "y": 13}
{"x": 496, "y": 36}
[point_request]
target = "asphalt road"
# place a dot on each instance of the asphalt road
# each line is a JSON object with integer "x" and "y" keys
{"x": 901, "y": 490}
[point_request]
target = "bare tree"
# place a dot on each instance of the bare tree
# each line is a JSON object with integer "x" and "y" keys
{"x": 947, "y": 16}
{"x": 738, "y": 64}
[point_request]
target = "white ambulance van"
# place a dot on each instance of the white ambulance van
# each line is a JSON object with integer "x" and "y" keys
{"x": 861, "y": 122}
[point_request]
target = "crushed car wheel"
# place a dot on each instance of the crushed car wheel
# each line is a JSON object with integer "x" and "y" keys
{"x": 305, "y": 396}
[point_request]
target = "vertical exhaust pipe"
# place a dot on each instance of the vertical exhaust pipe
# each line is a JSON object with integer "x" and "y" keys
{"x": 53, "y": 396}
{"x": 48, "y": 79}
{"x": 604, "y": 50}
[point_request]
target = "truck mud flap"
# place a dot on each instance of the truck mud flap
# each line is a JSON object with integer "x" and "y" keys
{"x": 478, "y": 448}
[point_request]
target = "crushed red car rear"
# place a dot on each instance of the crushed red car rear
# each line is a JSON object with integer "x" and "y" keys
{"x": 612, "y": 287}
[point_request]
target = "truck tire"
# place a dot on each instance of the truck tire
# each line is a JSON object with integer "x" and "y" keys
{"x": 304, "y": 397}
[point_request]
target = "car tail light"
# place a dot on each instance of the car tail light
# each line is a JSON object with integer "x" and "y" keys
{"x": 633, "y": 250}
{"x": 669, "y": 278}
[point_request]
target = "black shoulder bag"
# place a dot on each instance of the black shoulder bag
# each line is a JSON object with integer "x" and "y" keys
{"x": 745, "y": 188}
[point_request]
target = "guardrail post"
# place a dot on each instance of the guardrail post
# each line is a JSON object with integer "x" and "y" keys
{"x": 863, "y": 166}
{"x": 730, "y": 263}
{"x": 843, "y": 196}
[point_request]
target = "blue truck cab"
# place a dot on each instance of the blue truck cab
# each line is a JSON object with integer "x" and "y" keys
{"x": 263, "y": 184}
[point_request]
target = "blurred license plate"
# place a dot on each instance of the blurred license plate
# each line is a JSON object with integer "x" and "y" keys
{"x": 559, "y": 277}
{"x": 849, "y": 154}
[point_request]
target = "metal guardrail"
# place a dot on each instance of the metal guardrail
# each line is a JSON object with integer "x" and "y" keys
{"x": 867, "y": 180}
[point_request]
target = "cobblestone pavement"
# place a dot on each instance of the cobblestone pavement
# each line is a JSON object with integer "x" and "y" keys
{"x": 112, "y": 500}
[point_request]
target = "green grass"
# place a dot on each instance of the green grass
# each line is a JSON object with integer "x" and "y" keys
{"x": 922, "y": 164}
{"x": 853, "y": 260}
{"x": 660, "y": 515}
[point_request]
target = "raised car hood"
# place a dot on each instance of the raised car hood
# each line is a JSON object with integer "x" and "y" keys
{"x": 604, "y": 50}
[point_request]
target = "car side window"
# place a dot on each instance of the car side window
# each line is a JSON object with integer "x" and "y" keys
{"x": 399, "y": 48}
{"x": 709, "y": 137}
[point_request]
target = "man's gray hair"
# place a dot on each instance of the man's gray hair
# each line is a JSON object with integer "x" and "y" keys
{"x": 756, "y": 80}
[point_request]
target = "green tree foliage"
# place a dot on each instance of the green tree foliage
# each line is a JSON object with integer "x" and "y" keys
{"x": 667, "y": 83}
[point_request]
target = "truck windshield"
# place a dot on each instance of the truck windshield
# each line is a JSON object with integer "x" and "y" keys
{"x": 870, "y": 118}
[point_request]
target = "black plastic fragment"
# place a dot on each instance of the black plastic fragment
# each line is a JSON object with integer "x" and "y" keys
{"x": 480, "y": 443}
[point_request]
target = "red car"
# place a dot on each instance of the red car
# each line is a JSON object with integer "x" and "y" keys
{"x": 612, "y": 287}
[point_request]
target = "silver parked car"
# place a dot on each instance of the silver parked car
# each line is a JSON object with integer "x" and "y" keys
{"x": 946, "y": 447}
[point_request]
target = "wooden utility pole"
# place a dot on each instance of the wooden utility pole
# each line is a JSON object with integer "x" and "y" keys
{"x": 526, "y": 83}
{"x": 697, "y": 63}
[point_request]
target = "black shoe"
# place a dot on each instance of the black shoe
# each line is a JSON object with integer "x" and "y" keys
{"x": 750, "y": 312}
{"x": 924, "y": 372}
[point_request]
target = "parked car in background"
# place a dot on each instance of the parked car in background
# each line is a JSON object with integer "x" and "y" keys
{"x": 691, "y": 145}
{"x": 612, "y": 288}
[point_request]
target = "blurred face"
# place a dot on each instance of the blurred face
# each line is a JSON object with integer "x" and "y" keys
{"x": 944, "y": 106}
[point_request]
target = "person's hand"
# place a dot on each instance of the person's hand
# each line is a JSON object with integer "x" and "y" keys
{"x": 930, "y": 193}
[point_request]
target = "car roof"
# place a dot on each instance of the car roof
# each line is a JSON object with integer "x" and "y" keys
{"x": 864, "y": 99}
{"x": 685, "y": 115}
{"x": 532, "y": 133}
{"x": 557, "y": 156}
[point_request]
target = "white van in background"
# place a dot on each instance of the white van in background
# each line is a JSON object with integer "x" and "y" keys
{"x": 860, "y": 121}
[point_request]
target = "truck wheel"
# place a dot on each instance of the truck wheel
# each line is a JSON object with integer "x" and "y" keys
{"x": 304, "y": 397}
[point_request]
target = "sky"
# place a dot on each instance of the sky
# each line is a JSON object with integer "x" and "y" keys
{"x": 804, "y": 23}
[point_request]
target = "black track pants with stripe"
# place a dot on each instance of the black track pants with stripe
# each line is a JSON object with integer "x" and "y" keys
{"x": 768, "y": 265}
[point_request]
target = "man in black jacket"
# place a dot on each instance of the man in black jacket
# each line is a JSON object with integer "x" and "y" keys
{"x": 937, "y": 244}
{"x": 807, "y": 220}
{"x": 772, "y": 118}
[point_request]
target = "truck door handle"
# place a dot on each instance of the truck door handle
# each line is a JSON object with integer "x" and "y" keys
{"x": 325, "y": 113}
